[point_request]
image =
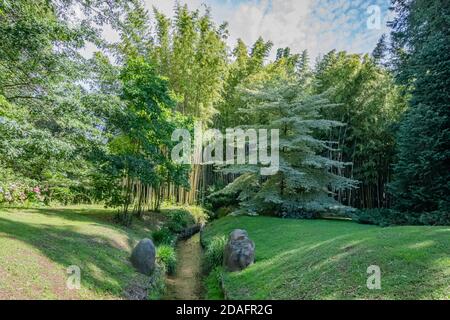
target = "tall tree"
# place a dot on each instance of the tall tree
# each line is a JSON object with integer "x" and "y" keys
{"x": 303, "y": 186}
{"x": 380, "y": 51}
{"x": 192, "y": 54}
{"x": 421, "y": 48}
{"x": 248, "y": 65}
{"x": 49, "y": 133}
{"x": 370, "y": 105}
{"x": 139, "y": 118}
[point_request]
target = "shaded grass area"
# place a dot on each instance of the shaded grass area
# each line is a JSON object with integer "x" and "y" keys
{"x": 38, "y": 245}
{"x": 319, "y": 259}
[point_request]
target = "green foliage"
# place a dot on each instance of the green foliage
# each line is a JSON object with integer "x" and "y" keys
{"x": 213, "y": 284}
{"x": 370, "y": 104}
{"x": 185, "y": 215}
{"x": 163, "y": 236}
{"x": 81, "y": 143}
{"x": 421, "y": 50}
{"x": 191, "y": 52}
{"x": 15, "y": 190}
{"x": 380, "y": 51}
{"x": 224, "y": 211}
{"x": 305, "y": 182}
{"x": 141, "y": 127}
{"x": 199, "y": 214}
{"x": 178, "y": 220}
{"x": 229, "y": 195}
{"x": 166, "y": 256}
{"x": 437, "y": 218}
{"x": 223, "y": 199}
{"x": 382, "y": 217}
{"x": 176, "y": 226}
{"x": 247, "y": 66}
{"x": 214, "y": 253}
{"x": 47, "y": 131}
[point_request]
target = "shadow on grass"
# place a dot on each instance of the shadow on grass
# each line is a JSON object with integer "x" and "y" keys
{"x": 93, "y": 215}
{"x": 96, "y": 216}
{"x": 320, "y": 260}
{"x": 104, "y": 265}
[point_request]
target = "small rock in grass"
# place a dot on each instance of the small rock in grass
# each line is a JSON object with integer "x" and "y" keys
{"x": 239, "y": 251}
{"x": 143, "y": 257}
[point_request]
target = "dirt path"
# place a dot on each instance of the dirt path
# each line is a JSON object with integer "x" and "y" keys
{"x": 186, "y": 283}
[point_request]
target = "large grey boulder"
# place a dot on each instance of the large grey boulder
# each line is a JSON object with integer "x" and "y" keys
{"x": 239, "y": 252}
{"x": 143, "y": 257}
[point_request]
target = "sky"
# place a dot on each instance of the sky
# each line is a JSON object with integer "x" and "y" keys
{"x": 316, "y": 25}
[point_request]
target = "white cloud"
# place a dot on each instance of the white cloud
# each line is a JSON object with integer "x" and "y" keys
{"x": 316, "y": 25}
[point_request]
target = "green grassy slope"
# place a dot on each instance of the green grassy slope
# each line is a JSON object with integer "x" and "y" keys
{"x": 320, "y": 259}
{"x": 38, "y": 245}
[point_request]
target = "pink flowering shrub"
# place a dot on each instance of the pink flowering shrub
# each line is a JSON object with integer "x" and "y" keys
{"x": 14, "y": 191}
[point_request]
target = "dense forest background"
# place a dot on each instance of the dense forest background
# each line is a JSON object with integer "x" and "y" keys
{"x": 357, "y": 131}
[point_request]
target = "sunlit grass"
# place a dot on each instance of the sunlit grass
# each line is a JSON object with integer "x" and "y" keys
{"x": 38, "y": 245}
{"x": 304, "y": 259}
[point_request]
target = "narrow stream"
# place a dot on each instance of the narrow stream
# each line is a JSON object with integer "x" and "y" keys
{"x": 186, "y": 283}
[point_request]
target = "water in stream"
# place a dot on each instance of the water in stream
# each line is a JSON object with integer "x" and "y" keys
{"x": 186, "y": 283}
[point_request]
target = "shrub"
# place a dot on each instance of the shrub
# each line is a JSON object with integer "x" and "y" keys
{"x": 214, "y": 253}
{"x": 225, "y": 211}
{"x": 16, "y": 190}
{"x": 199, "y": 214}
{"x": 389, "y": 217}
{"x": 163, "y": 236}
{"x": 219, "y": 200}
{"x": 436, "y": 218}
{"x": 174, "y": 226}
{"x": 381, "y": 217}
{"x": 167, "y": 257}
{"x": 178, "y": 220}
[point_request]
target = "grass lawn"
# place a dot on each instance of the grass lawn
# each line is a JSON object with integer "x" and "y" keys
{"x": 322, "y": 259}
{"x": 38, "y": 245}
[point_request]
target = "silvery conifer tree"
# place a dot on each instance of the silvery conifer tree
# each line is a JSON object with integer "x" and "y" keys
{"x": 305, "y": 183}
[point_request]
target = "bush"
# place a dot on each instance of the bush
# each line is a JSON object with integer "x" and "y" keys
{"x": 181, "y": 218}
{"x": 381, "y": 217}
{"x": 214, "y": 254}
{"x": 16, "y": 190}
{"x": 199, "y": 214}
{"x": 178, "y": 220}
{"x": 219, "y": 200}
{"x": 389, "y": 217}
{"x": 225, "y": 211}
{"x": 167, "y": 257}
{"x": 174, "y": 226}
{"x": 436, "y": 218}
{"x": 163, "y": 236}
